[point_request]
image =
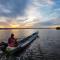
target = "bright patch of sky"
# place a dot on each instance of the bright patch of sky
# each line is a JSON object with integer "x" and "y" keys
{"x": 36, "y": 11}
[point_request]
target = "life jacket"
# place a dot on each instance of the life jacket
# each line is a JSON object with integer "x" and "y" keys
{"x": 11, "y": 42}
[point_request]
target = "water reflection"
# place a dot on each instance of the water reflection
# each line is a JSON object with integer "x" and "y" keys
{"x": 19, "y": 33}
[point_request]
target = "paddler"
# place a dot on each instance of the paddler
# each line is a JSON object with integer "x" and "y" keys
{"x": 12, "y": 41}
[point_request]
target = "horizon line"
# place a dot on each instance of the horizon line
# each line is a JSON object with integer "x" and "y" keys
{"x": 27, "y": 28}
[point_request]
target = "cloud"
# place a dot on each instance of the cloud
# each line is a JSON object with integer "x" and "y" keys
{"x": 53, "y": 21}
{"x": 4, "y": 10}
{"x": 32, "y": 13}
{"x": 13, "y": 8}
{"x": 39, "y": 11}
{"x": 54, "y": 14}
{"x": 49, "y": 2}
{"x": 43, "y": 2}
{"x": 29, "y": 11}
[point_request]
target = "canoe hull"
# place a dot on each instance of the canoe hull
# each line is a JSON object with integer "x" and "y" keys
{"x": 23, "y": 44}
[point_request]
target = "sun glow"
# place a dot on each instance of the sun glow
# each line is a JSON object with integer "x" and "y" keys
{"x": 14, "y": 25}
{"x": 2, "y": 26}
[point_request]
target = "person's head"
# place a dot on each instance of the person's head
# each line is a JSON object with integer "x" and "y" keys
{"x": 12, "y": 35}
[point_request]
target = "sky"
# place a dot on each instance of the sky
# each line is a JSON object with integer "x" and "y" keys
{"x": 29, "y": 12}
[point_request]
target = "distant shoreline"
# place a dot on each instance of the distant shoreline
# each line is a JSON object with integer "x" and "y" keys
{"x": 27, "y": 28}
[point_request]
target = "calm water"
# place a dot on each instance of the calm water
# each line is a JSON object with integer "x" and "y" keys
{"x": 49, "y": 40}
{"x": 19, "y": 33}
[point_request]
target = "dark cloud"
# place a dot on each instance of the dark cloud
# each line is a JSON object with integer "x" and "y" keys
{"x": 51, "y": 22}
{"x": 13, "y": 8}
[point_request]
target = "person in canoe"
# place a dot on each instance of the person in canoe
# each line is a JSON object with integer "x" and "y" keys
{"x": 12, "y": 41}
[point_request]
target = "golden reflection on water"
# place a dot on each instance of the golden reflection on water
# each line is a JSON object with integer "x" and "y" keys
{"x": 22, "y": 32}
{"x": 16, "y": 32}
{"x": 3, "y": 35}
{"x": 19, "y": 33}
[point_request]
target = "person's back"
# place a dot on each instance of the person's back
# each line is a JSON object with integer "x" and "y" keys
{"x": 12, "y": 41}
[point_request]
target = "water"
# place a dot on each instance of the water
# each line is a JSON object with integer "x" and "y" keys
{"x": 48, "y": 41}
{"x": 19, "y": 33}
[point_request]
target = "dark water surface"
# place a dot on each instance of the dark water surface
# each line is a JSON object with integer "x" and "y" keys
{"x": 48, "y": 41}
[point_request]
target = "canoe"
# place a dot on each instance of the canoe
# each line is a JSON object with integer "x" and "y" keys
{"x": 23, "y": 44}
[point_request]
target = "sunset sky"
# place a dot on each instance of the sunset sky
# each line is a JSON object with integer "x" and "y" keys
{"x": 17, "y": 13}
